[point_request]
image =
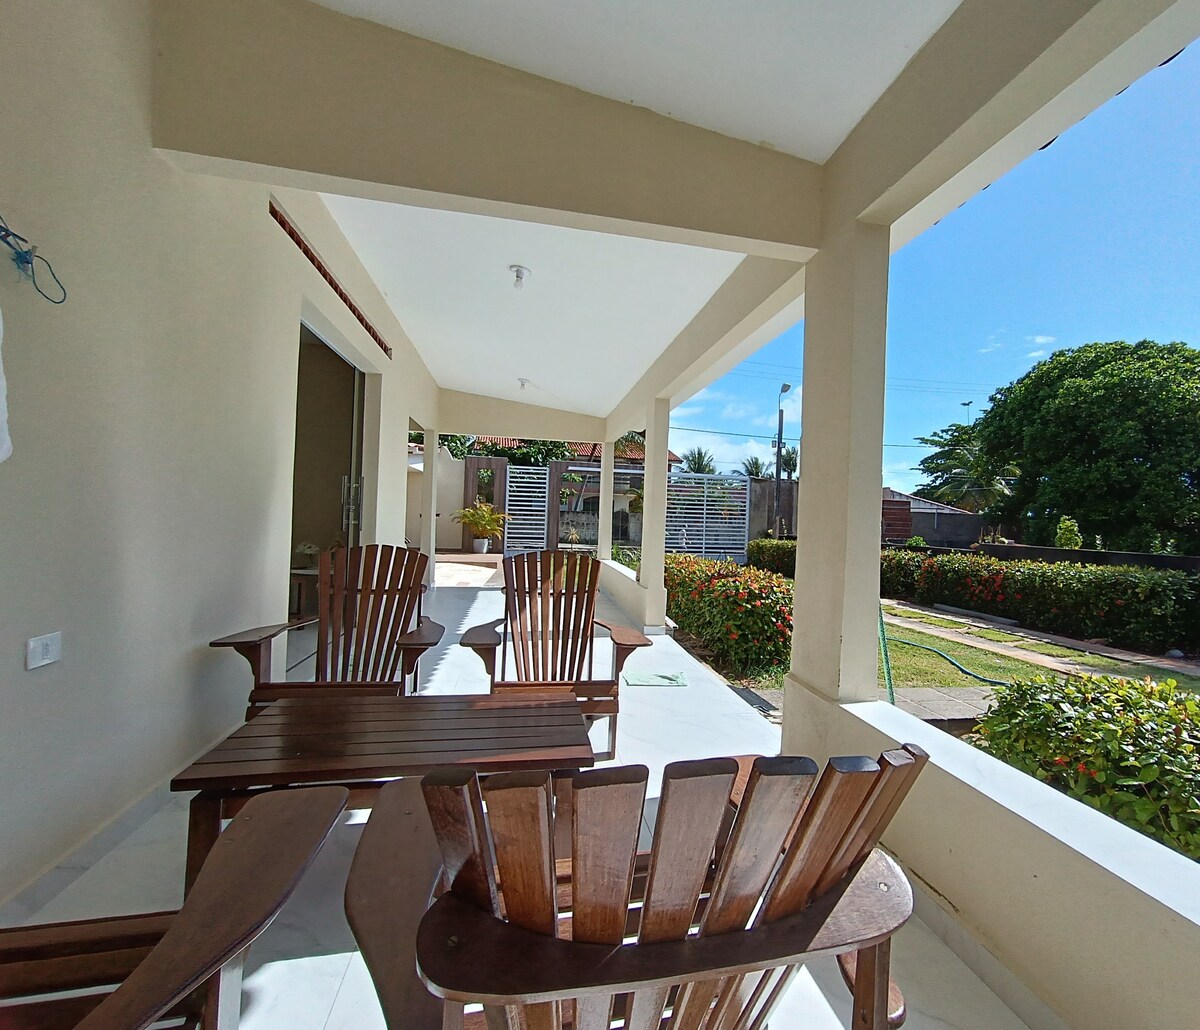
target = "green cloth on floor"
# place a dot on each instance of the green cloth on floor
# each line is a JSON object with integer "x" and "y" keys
{"x": 656, "y": 679}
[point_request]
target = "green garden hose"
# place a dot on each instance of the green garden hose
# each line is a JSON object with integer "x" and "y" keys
{"x": 887, "y": 661}
{"x": 884, "y": 640}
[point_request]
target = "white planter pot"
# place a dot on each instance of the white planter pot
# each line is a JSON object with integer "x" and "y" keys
{"x": 481, "y": 545}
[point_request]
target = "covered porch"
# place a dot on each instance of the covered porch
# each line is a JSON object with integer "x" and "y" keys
{"x": 209, "y": 177}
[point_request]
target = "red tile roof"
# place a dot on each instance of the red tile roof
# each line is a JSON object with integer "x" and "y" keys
{"x": 585, "y": 451}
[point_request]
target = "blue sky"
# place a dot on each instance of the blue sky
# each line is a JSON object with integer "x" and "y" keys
{"x": 1095, "y": 238}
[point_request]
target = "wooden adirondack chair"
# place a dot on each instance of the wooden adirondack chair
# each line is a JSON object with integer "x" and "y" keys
{"x": 548, "y": 633}
{"x": 370, "y": 630}
{"x": 161, "y": 960}
{"x": 749, "y": 876}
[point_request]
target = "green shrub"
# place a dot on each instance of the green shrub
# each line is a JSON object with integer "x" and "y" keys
{"x": 1129, "y": 748}
{"x": 915, "y": 541}
{"x": 630, "y": 557}
{"x": 742, "y": 615}
{"x": 1129, "y": 606}
{"x": 773, "y": 555}
{"x": 898, "y": 573}
{"x": 1067, "y": 534}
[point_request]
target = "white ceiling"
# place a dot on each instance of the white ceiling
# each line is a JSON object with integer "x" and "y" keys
{"x": 796, "y": 75}
{"x": 596, "y": 312}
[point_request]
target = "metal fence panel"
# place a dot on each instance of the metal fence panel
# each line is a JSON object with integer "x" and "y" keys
{"x": 708, "y": 515}
{"x": 525, "y": 500}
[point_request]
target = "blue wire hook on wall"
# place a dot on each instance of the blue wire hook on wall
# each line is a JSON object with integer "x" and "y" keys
{"x": 26, "y": 258}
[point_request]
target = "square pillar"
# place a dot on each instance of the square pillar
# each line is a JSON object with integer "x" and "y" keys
{"x": 429, "y": 502}
{"x": 834, "y": 640}
{"x": 654, "y": 512}
{"x": 608, "y": 454}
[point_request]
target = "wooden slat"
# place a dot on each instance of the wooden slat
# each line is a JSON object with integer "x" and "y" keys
{"x": 519, "y": 817}
{"x": 689, "y": 817}
{"x": 358, "y": 646}
{"x": 839, "y": 793}
{"x": 455, "y": 806}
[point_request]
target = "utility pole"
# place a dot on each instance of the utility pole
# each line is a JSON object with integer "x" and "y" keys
{"x": 776, "y": 521}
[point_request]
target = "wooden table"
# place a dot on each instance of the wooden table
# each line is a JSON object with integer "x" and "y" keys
{"x": 363, "y": 742}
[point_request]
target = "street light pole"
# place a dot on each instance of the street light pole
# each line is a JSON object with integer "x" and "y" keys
{"x": 967, "y": 405}
{"x": 779, "y": 458}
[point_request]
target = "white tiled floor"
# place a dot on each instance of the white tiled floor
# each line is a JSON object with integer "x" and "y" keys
{"x": 304, "y": 973}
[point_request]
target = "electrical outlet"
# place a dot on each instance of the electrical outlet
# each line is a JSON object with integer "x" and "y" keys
{"x": 43, "y": 650}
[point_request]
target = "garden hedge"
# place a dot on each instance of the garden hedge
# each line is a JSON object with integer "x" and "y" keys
{"x": 773, "y": 555}
{"x": 742, "y": 615}
{"x": 1127, "y": 605}
{"x": 1129, "y": 748}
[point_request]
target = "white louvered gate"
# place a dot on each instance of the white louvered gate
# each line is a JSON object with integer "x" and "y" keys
{"x": 526, "y": 494}
{"x": 708, "y": 515}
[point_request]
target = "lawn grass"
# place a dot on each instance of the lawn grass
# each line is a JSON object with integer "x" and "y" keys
{"x": 914, "y": 667}
{"x": 998, "y": 635}
{"x": 930, "y": 620}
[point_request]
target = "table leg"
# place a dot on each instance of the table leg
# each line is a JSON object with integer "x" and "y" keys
{"x": 204, "y": 827}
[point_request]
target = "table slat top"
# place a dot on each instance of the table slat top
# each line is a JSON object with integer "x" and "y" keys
{"x": 299, "y": 741}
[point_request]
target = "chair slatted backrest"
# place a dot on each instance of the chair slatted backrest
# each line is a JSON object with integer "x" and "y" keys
{"x": 369, "y": 596}
{"x": 550, "y": 611}
{"x": 796, "y": 834}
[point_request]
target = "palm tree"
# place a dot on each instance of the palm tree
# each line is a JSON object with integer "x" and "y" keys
{"x": 699, "y": 461}
{"x": 789, "y": 461}
{"x": 755, "y": 468}
{"x": 959, "y": 473}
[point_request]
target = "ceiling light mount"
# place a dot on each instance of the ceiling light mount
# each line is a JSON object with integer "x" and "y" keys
{"x": 523, "y": 381}
{"x": 520, "y": 274}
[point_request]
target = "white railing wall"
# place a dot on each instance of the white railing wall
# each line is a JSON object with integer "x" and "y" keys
{"x": 525, "y": 500}
{"x": 708, "y": 515}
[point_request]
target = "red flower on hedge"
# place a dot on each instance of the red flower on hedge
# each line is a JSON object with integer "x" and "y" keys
{"x": 1060, "y": 761}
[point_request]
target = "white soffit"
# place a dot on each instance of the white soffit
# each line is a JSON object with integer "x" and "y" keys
{"x": 595, "y": 313}
{"x": 796, "y": 75}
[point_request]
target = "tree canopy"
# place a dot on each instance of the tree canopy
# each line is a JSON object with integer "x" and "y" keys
{"x": 1107, "y": 433}
{"x": 698, "y": 460}
{"x": 527, "y": 453}
{"x": 789, "y": 461}
{"x": 959, "y": 473}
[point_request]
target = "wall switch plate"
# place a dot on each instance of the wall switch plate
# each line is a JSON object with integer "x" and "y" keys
{"x": 43, "y": 650}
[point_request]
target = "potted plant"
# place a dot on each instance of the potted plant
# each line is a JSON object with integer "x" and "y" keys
{"x": 482, "y": 521}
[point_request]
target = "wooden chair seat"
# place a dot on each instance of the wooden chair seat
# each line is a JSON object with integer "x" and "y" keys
{"x": 139, "y": 969}
{"x": 370, "y": 629}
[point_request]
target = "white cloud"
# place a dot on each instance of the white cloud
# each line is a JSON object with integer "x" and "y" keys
{"x": 687, "y": 411}
{"x": 727, "y": 451}
{"x": 740, "y": 409}
{"x": 990, "y": 347}
{"x": 1036, "y": 354}
{"x": 1041, "y": 339}
{"x": 792, "y": 403}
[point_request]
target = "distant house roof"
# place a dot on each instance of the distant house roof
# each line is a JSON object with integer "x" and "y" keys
{"x": 631, "y": 452}
{"x": 920, "y": 503}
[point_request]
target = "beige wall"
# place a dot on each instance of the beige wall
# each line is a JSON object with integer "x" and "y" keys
{"x": 147, "y": 506}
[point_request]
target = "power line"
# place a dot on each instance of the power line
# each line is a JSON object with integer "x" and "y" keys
{"x": 771, "y": 436}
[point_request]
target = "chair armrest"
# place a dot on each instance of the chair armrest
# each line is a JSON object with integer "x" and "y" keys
{"x": 260, "y": 635}
{"x": 624, "y": 636}
{"x": 250, "y": 872}
{"x": 854, "y": 914}
{"x": 484, "y": 640}
{"x": 424, "y": 636}
{"x": 255, "y": 646}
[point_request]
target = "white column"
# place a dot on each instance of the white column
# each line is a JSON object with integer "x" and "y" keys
{"x": 604, "y": 521}
{"x": 654, "y": 512}
{"x": 429, "y": 501}
{"x": 834, "y": 641}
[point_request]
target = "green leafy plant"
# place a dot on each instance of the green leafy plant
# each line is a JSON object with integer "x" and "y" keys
{"x": 481, "y": 520}
{"x": 915, "y": 541}
{"x": 898, "y": 570}
{"x": 1129, "y": 606}
{"x": 698, "y": 460}
{"x": 1067, "y": 534}
{"x": 773, "y": 555}
{"x": 742, "y": 615}
{"x": 630, "y": 557}
{"x": 1130, "y": 748}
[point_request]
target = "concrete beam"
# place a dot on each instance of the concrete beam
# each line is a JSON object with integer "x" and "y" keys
{"x": 290, "y": 92}
{"x": 993, "y": 84}
{"x": 473, "y": 414}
